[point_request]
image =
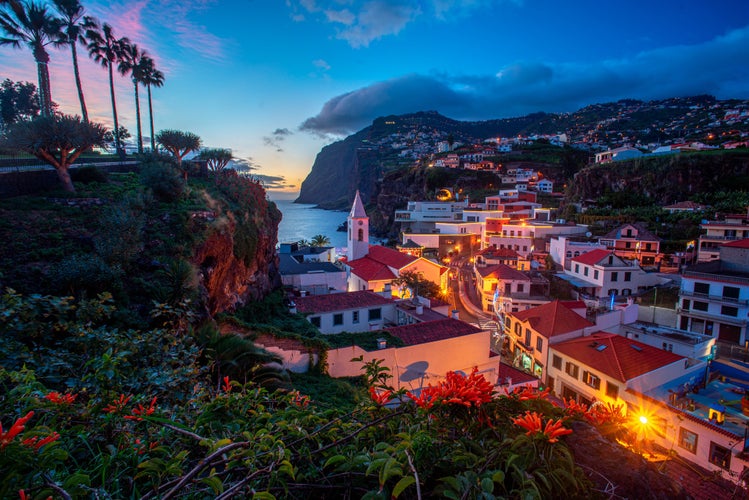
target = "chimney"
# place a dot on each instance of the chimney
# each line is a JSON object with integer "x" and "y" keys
{"x": 382, "y": 343}
{"x": 455, "y": 314}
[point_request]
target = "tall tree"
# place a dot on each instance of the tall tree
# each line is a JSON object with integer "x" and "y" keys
{"x": 31, "y": 24}
{"x": 58, "y": 140}
{"x": 18, "y": 101}
{"x": 216, "y": 158}
{"x": 151, "y": 76}
{"x": 133, "y": 61}
{"x": 179, "y": 144}
{"x": 106, "y": 50}
{"x": 319, "y": 240}
{"x": 73, "y": 25}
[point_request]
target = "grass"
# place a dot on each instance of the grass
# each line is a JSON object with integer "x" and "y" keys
{"x": 339, "y": 393}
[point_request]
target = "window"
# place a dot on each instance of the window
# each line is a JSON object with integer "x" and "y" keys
{"x": 355, "y": 317}
{"x": 518, "y": 329}
{"x": 539, "y": 344}
{"x": 375, "y": 314}
{"x": 702, "y": 288}
{"x": 315, "y": 320}
{"x": 612, "y": 291}
{"x": 628, "y": 244}
{"x": 595, "y": 274}
{"x": 525, "y": 248}
{"x": 615, "y": 276}
{"x": 338, "y": 319}
{"x": 688, "y": 440}
{"x": 591, "y": 380}
{"x": 577, "y": 268}
{"x": 585, "y": 270}
{"x": 612, "y": 390}
{"x": 699, "y": 306}
{"x": 527, "y": 337}
{"x": 627, "y": 276}
{"x": 556, "y": 362}
{"x": 729, "y": 311}
{"x": 569, "y": 254}
{"x": 685, "y": 304}
{"x": 361, "y": 235}
{"x": 720, "y": 456}
{"x": 571, "y": 369}
{"x": 521, "y": 287}
{"x": 730, "y": 293}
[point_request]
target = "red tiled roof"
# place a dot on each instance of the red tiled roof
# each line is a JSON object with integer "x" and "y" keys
{"x": 517, "y": 376}
{"x": 738, "y": 243}
{"x": 339, "y": 301}
{"x": 574, "y": 304}
{"x": 552, "y": 319}
{"x": 371, "y": 270}
{"x": 593, "y": 257}
{"x": 621, "y": 358}
{"x": 502, "y": 272}
{"x": 432, "y": 331}
{"x": 493, "y": 252}
{"x": 390, "y": 257}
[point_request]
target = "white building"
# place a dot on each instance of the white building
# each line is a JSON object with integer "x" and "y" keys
{"x": 347, "y": 312}
{"x": 716, "y": 233}
{"x": 421, "y": 216}
{"x": 563, "y": 248}
{"x": 545, "y": 186}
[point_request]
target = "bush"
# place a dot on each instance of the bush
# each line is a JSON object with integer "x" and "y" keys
{"x": 88, "y": 174}
{"x": 163, "y": 180}
{"x": 84, "y": 273}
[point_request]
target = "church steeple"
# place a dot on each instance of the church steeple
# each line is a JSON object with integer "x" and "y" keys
{"x": 358, "y": 230}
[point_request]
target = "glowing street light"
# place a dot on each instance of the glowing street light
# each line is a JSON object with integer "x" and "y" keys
{"x": 643, "y": 420}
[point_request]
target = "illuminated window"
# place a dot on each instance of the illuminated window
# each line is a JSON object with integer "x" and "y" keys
{"x": 720, "y": 456}
{"x": 612, "y": 390}
{"x": 688, "y": 440}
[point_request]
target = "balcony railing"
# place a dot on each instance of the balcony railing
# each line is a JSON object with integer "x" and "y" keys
{"x": 713, "y": 298}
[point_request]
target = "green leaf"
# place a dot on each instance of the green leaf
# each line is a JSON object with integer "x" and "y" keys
{"x": 334, "y": 460}
{"x": 263, "y": 495}
{"x": 487, "y": 485}
{"x": 401, "y": 485}
{"x": 498, "y": 477}
{"x": 214, "y": 483}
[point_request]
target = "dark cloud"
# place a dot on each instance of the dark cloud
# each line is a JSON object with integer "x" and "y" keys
{"x": 276, "y": 138}
{"x": 273, "y": 181}
{"x": 715, "y": 67}
{"x": 243, "y": 165}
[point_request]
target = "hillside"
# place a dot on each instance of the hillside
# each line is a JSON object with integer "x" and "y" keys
{"x": 361, "y": 160}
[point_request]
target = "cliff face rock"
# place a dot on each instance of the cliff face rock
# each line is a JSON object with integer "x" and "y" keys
{"x": 237, "y": 262}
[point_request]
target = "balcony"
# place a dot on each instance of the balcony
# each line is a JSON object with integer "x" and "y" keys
{"x": 713, "y": 298}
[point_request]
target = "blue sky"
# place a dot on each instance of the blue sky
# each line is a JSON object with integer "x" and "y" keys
{"x": 275, "y": 80}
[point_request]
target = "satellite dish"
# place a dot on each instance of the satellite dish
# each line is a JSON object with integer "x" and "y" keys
{"x": 588, "y": 234}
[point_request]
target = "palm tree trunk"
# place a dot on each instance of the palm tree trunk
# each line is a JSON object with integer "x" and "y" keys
{"x": 137, "y": 117}
{"x": 67, "y": 183}
{"x": 84, "y": 111}
{"x": 114, "y": 109}
{"x": 150, "y": 116}
{"x": 44, "y": 90}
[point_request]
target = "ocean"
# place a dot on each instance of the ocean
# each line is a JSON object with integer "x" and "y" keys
{"x": 301, "y": 221}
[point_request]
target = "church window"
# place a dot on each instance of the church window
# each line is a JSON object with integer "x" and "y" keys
{"x": 361, "y": 234}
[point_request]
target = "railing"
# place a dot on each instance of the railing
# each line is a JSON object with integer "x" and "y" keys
{"x": 713, "y": 276}
{"x": 713, "y": 298}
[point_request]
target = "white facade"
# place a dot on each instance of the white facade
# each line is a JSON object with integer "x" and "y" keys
{"x": 361, "y": 319}
{"x": 421, "y": 216}
{"x": 545, "y": 186}
{"x": 358, "y": 230}
{"x": 317, "y": 282}
{"x": 612, "y": 276}
{"x": 562, "y": 249}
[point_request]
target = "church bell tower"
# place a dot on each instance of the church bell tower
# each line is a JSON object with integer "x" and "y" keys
{"x": 358, "y": 230}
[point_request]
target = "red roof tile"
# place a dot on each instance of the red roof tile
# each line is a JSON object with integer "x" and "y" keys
{"x": 390, "y": 257}
{"x": 517, "y": 376}
{"x": 502, "y": 272}
{"x": 371, "y": 270}
{"x": 593, "y": 257}
{"x": 552, "y": 319}
{"x": 616, "y": 356}
{"x": 738, "y": 243}
{"x": 339, "y": 301}
{"x": 432, "y": 331}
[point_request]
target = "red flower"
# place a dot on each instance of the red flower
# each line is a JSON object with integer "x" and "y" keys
{"x": 530, "y": 422}
{"x": 527, "y": 392}
{"x": 117, "y": 405}
{"x": 572, "y": 407}
{"x": 456, "y": 389}
{"x": 61, "y": 399}
{"x": 300, "y": 400}
{"x": 15, "y": 429}
{"x": 22, "y": 495}
{"x": 226, "y": 386}
{"x": 36, "y": 443}
{"x": 554, "y": 430}
{"x": 533, "y": 424}
{"x": 140, "y": 411}
{"x": 380, "y": 398}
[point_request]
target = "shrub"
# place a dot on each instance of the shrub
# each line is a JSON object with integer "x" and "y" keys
{"x": 84, "y": 273}
{"x": 163, "y": 180}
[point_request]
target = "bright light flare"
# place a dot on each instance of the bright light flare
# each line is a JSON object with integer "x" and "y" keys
{"x": 643, "y": 420}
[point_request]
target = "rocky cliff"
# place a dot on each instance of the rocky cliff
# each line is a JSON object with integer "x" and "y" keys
{"x": 237, "y": 262}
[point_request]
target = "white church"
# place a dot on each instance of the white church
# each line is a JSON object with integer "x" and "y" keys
{"x": 373, "y": 267}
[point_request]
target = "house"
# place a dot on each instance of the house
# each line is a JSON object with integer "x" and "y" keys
{"x": 714, "y": 296}
{"x": 430, "y": 350}
{"x": 563, "y": 248}
{"x": 634, "y": 241}
{"x": 618, "y": 154}
{"x": 545, "y": 186}
{"x": 421, "y": 216}
{"x": 373, "y": 267}
{"x": 530, "y": 334}
{"x": 491, "y": 256}
{"x": 361, "y": 311}
{"x": 525, "y": 236}
{"x": 305, "y": 253}
{"x": 684, "y": 206}
{"x": 601, "y": 274}
{"x": 517, "y": 290}
{"x": 715, "y": 233}
{"x": 311, "y": 277}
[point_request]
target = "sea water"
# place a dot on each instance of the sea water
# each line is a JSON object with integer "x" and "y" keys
{"x": 302, "y": 222}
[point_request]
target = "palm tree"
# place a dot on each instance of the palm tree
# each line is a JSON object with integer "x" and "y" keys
{"x": 30, "y": 23}
{"x": 151, "y": 76}
{"x": 106, "y": 50}
{"x": 179, "y": 144}
{"x": 320, "y": 240}
{"x": 132, "y": 61}
{"x": 73, "y": 23}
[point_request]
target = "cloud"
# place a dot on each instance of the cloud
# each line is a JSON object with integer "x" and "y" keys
{"x": 713, "y": 67}
{"x": 276, "y": 138}
{"x": 273, "y": 181}
{"x": 321, "y": 64}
